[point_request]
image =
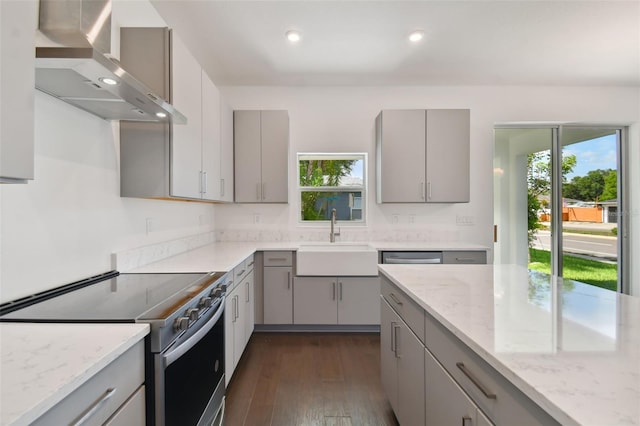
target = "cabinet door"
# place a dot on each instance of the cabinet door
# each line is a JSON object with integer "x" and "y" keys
{"x": 18, "y": 21}
{"x": 446, "y": 402}
{"x": 315, "y": 300}
{"x": 132, "y": 412}
{"x": 401, "y": 151}
{"x": 248, "y": 172}
{"x": 239, "y": 340}
{"x": 210, "y": 139}
{"x": 186, "y": 146}
{"x": 249, "y": 313}
{"x": 359, "y": 300}
{"x": 411, "y": 378}
{"x": 278, "y": 295}
{"x": 275, "y": 156}
{"x": 447, "y": 158}
{"x": 389, "y": 324}
{"x": 226, "y": 153}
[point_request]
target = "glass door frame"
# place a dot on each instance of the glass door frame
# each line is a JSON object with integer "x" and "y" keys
{"x": 622, "y": 155}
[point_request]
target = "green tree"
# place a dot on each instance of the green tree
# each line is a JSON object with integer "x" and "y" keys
{"x": 320, "y": 173}
{"x": 610, "y": 191}
{"x": 539, "y": 184}
{"x": 591, "y": 186}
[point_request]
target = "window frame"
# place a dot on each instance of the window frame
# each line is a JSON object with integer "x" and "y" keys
{"x": 346, "y": 189}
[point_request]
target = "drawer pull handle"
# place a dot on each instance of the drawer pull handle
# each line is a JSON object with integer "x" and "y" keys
{"x": 241, "y": 272}
{"x": 95, "y": 407}
{"x": 485, "y": 391}
{"x": 464, "y": 259}
{"x": 251, "y": 264}
{"x": 277, "y": 259}
{"x": 395, "y": 299}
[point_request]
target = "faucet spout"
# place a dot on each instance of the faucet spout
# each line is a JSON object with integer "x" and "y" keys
{"x": 333, "y": 234}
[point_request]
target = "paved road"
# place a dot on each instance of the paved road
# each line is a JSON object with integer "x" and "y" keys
{"x": 591, "y": 245}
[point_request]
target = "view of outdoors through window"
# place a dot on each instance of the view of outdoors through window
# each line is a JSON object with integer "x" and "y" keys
{"x": 331, "y": 181}
{"x": 589, "y": 208}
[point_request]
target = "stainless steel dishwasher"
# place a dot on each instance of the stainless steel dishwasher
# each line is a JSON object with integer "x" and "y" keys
{"x": 411, "y": 257}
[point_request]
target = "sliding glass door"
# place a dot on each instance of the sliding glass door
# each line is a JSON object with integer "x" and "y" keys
{"x": 558, "y": 192}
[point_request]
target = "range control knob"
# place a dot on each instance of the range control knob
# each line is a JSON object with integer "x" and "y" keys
{"x": 216, "y": 293}
{"x": 192, "y": 314}
{"x": 205, "y": 302}
{"x": 181, "y": 324}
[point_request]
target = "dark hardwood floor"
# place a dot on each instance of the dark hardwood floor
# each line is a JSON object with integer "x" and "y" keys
{"x": 302, "y": 379}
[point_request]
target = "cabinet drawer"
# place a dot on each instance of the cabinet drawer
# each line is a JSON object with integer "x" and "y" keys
{"x": 132, "y": 412}
{"x": 408, "y": 310}
{"x": 278, "y": 258}
{"x": 240, "y": 271}
{"x": 121, "y": 377}
{"x": 464, "y": 257}
{"x": 490, "y": 391}
{"x": 248, "y": 263}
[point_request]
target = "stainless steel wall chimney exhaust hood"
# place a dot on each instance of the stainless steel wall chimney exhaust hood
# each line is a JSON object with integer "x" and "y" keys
{"x": 73, "y": 65}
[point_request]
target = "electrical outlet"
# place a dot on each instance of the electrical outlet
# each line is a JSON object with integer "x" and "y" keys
{"x": 464, "y": 220}
{"x": 150, "y": 225}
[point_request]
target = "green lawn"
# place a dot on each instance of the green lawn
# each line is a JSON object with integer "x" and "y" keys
{"x": 600, "y": 274}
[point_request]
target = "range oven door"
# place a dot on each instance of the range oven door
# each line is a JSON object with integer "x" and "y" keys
{"x": 189, "y": 375}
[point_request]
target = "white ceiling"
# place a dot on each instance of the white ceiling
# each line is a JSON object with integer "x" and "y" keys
{"x": 477, "y": 42}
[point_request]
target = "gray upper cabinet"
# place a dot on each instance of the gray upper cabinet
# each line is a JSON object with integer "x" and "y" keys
{"x": 169, "y": 161}
{"x": 261, "y": 144}
{"x": 422, "y": 156}
{"x": 17, "y": 84}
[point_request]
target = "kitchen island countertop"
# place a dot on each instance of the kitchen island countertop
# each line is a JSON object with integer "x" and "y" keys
{"x": 572, "y": 348}
{"x": 41, "y": 364}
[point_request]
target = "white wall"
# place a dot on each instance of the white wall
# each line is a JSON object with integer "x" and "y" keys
{"x": 341, "y": 119}
{"x": 64, "y": 225}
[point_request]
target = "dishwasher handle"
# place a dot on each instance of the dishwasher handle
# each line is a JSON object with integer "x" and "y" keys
{"x": 403, "y": 261}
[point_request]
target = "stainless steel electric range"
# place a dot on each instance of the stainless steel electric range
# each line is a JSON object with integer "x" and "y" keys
{"x": 185, "y": 349}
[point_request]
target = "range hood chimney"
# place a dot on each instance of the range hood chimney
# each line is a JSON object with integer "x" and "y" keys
{"x": 74, "y": 65}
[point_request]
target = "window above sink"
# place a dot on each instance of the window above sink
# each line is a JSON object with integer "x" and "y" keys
{"x": 329, "y": 181}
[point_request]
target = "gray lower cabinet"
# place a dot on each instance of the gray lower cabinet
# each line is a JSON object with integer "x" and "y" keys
{"x": 336, "y": 300}
{"x": 402, "y": 368}
{"x": 277, "y": 277}
{"x": 431, "y": 378}
{"x": 115, "y": 395}
{"x": 446, "y": 403}
{"x": 423, "y": 156}
{"x": 261, "y": 148}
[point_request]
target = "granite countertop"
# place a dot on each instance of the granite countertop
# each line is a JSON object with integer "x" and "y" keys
{"x": 224, "y": 256}
{"x": 573, "y": 348}
{"x": 41, "y": 364}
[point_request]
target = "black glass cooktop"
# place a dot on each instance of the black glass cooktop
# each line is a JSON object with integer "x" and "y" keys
{"x": 123, "y": 298}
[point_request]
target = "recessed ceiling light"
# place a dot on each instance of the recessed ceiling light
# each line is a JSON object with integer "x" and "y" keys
{"x": 293, "y": 36}
{"x": 416, "y": 36}
{"x": 161, "y": 114}
{"x": 109, "y": 81}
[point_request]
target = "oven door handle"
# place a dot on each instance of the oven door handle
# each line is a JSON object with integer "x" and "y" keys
{"x": 170, "y": 357}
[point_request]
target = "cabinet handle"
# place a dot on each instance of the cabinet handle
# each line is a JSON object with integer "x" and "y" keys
{"x": 393, "y": 337}
{"x": 422, "y": 190}
{"x": 237, "y": 307}
{"x": 395, "y": 299}
{"x": 247, "y": 292}
{"x": 222, "y": 187}
{"x": 264, "y": 187}
{"x": 204, "y": 182}
{"x": 288, "y": 280}
{"x": 93, "y": 409}
{"x": 200, "y": 189}
{"x": 251, "y": 264}
{"x": 485, "y": 391}
{"x": 333, "y": 285}
{"x": 396, "y": 327}
{"x": 241, "y": 272}
{"x": 428, "y": 190}
{"x": 339, "y": 290}
{"x": 464, "y": 259}
{"x": 466, "y": 420}
{"x": 277, "y": 259}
